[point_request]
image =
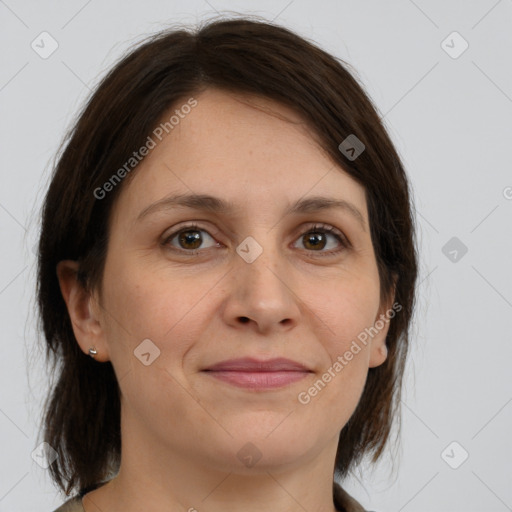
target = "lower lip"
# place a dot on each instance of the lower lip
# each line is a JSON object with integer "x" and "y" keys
{"x": 259, "y": 380}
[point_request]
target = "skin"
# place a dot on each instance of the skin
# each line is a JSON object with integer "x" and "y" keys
{"x": 181, "y": 428}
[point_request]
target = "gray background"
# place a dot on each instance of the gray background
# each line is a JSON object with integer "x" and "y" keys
{"x": 450, "y": 119}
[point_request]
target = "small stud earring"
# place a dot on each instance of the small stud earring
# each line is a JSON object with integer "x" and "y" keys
{"x": 92, "y": 352}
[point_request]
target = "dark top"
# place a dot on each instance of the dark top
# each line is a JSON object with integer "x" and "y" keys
{"x": 342, "y": 500}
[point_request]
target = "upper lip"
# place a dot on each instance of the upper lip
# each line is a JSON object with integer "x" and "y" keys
{"x": 249, "y": 364}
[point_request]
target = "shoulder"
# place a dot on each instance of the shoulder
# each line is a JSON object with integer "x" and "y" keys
{"x": 343, "y": 501}
{"x": 71, "y": 505}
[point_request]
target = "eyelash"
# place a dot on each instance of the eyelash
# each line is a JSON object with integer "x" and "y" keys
{"x": 317, "y": 228}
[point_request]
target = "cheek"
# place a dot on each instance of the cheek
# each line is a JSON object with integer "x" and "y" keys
{"x": 141, "y": 305}
{"x": 144, "y": 307}
{"x": 345, "y": 307}
{"x": 344, "y": 318}
{"x": 334, "y": 394}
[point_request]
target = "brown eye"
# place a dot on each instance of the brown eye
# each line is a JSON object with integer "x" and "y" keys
{"x": 317, "y": 239}
{"x": 314, "y": 240}
{"x": 190, "y": 238}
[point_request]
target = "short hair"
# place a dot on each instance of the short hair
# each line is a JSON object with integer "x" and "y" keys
{"x": 81, "y": 414}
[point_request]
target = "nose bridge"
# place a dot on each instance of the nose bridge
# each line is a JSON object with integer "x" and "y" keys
{"x": 263, "y": 292}
{"x": 260, "y": 255}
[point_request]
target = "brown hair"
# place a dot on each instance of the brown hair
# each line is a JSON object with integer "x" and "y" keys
{"x": 82, "y": 411}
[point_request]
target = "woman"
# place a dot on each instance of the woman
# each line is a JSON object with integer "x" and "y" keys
{"x": 226, "y": 279}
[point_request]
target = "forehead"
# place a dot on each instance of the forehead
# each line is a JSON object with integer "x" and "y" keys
{"x": 252, "y": 151}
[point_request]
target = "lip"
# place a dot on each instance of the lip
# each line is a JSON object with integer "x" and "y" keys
{"x": 252, "y": 373}
{"x": 249, "y": 364}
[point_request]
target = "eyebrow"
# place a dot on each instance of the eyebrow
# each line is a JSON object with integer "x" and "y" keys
{"x": 208, "y": 203}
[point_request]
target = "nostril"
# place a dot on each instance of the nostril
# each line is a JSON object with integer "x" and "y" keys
{"x": 244, "y": 319}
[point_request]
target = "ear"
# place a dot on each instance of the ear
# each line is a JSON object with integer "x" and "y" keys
{"x": 387, "y": 310}
{"x": 85, "y": 318}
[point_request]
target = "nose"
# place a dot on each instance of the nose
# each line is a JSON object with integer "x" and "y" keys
{"x": 261, "y": 294}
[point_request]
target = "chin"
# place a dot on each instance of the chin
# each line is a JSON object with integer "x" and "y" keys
{"x": 257, "y": 451}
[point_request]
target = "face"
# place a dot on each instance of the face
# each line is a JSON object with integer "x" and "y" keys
{"x": 271, "y": 274}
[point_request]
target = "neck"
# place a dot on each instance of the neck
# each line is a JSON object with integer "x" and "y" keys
{"x": 160, "y": 479}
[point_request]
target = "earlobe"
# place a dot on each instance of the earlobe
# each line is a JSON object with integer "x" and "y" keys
{"x": 378, "y": 356}
{"x": 379, "y": 349}
{"x": 84, "y": 320}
